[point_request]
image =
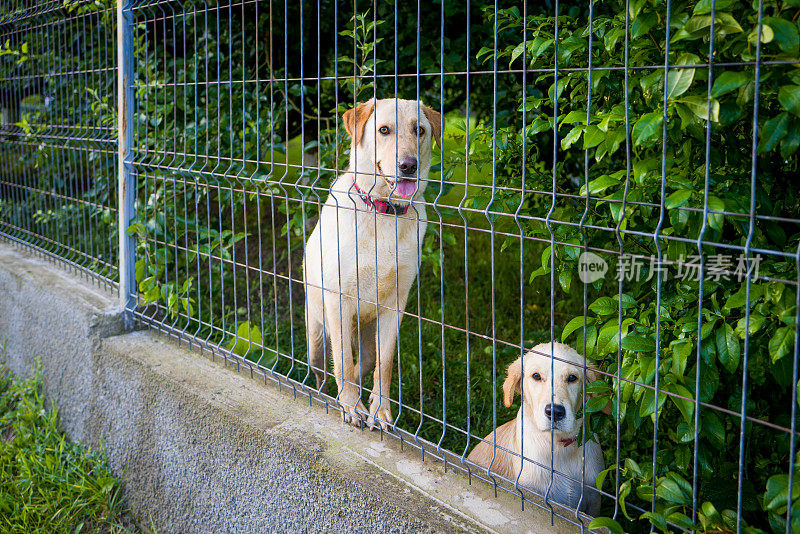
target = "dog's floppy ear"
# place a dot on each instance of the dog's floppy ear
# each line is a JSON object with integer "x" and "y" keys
{"x": 435, "y": 118}
{"x": 511, "y": 385}
{"x": 355, "y": 119}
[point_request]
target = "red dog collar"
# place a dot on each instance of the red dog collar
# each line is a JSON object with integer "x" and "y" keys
{"x": 381, "y": 206}
{"x": 569, "y": 441}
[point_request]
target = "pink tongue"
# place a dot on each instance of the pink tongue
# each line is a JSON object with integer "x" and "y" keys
{"x": 406, "y": 188}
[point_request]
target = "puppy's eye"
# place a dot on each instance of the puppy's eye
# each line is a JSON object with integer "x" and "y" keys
{"x": 572, "y": 378}
{"x": 420, "y": 130}
{"x": 384, "y": 130}
{"x": 536, "y": 376}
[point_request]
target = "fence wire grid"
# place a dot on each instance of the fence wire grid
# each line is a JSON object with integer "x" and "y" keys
{"x": 619, "y": 176}
{"x": 58, "y": 148}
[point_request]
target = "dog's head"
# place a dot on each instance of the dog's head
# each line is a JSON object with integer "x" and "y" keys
{"x": 551, "y": 397}
{"x": 391, "y": 142}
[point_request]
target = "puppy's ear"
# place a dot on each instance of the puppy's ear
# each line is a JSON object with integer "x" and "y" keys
{"x": 511, "y": 385}
{"x": 355, "y": 119}
{"x": 435, "y": 118}
{"x": 592, "y": 375}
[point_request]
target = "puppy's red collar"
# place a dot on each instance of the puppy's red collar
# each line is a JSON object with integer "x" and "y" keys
{"x": 569, "y": 441}
{"x": 381, "y": 206}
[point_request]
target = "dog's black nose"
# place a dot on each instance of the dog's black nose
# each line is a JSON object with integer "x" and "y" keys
{"x": 408, "y": 166}
{"x": 556, "y": 412}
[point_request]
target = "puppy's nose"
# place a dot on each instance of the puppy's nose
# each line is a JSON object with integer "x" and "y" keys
{"x": 407, "y": 166}
{"x": 555, "y": 412}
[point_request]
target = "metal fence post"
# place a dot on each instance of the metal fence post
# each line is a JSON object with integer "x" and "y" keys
{"x": 126, "y": 182}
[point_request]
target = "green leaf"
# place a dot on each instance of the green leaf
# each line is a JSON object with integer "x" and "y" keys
{"x": 772, "y": 132}
{"x": 713, "y": 429}
{"x": 679, "y": 80}
{"x": 728, "y": 349}
{"x": 728, "y": 81}
{"x": 781, "y": 343}
{"x": 699, "y": 105}
{"x": 137, "y": 229}
{"x": 606, "y": 522}
{"x": 789, "y": 98}
{"x": 572, "y": 137}
{"x": 685, "y": 405}
{"x": 647, "y": 127}
{"x": 593, "y": 136}
{"x": 638, "y": 344}
{"x": 786, "y": 35}
{"x": 677, "y": 199}
{"x": 682, "y": 520}
{"x": 767, "y": 35}
{"x": 681, "y": 350}
{"x": 716, "y": 220}
{"x": 604, "y": 306}
{"x": 739, "y": 299}
{"x": 140, "y": 269}
{"x": 599, "y": 184}
{"x": 756, "y": 322}
{"x": 711, "y": 513}
{"x": 703, "y": 7}
{"x": 596, "y": 403}
{"x": 246, "y": 339}
{"x": 791, "y": 142}
{"x": 647, "y": 405}
{"x": 725, "y": 23}
{"x": 776, "y": 498}
{"x": 517, "y": 52}
{"x": 573, "y": 325}
{"x": 574, "y": 117}
{"x": 565, "y": 279}
{"x": 671, "y": 491}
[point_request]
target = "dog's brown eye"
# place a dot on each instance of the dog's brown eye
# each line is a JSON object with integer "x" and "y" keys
{"x": 536, "y": 376}
{"x": 384, "y": 130}
{"x": 420, "y": 130}
{"x": 572, "y": 378}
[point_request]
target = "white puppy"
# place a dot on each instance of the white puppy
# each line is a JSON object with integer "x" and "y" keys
{"x": 547, "y": 415}
{"x": 363, "y": 256}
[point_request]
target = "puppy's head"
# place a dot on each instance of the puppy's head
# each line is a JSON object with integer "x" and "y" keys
{"x": 391, "y": 142}
{"x": 551, "y": 397}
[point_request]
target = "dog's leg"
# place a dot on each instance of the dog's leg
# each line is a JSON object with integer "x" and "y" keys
{"x": 316, "y": 347}
{"x": 340, "y": 326}
{"x": 366, "y": 353}
{"x": 386, "y": 337}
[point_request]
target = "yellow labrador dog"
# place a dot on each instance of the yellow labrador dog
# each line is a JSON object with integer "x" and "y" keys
{"x": 544, "y": 419}
{"x": 362, "y": 258}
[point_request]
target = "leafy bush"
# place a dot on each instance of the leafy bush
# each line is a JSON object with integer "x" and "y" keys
{"x": 645, "y": 188}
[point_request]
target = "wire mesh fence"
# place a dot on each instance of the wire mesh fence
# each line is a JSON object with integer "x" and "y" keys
{"x": 58, "y": 149}
{"x": 618, "y": 176}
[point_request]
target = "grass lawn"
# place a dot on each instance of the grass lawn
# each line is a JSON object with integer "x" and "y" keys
{"x": 48, "y": 484}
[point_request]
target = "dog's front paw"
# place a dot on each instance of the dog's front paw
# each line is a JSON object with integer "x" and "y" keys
{"x": 353, "y": 410}
{"x": 381, "y": 413}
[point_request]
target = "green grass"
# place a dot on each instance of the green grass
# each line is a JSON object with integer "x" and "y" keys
{"x": 48, "y": 484}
